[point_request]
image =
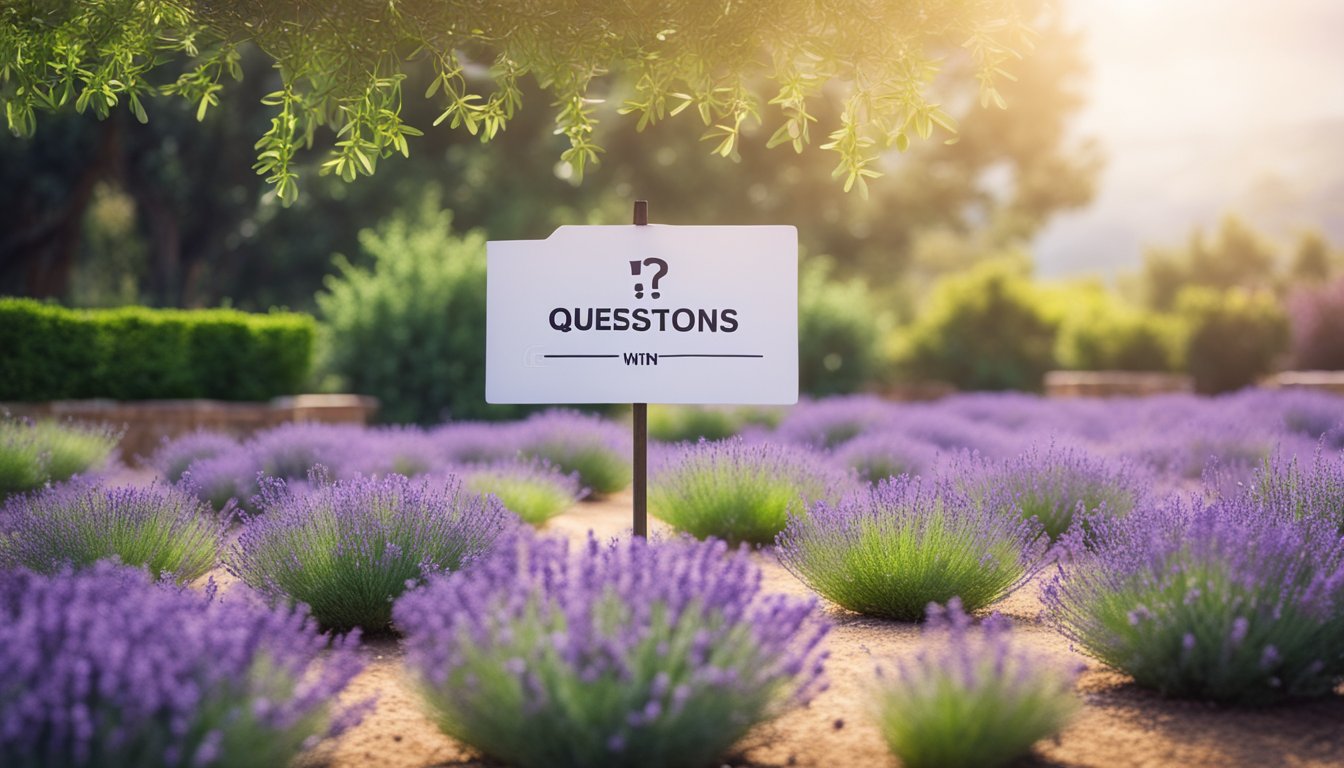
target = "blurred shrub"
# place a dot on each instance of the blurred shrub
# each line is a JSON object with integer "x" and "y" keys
{"x": 136, "y": 353}
{"x": 981, "y": 330}
{"x": 1098, "y": 333}
{"x": 1234, "y": 336}
{"x": 1317, "y": 317}
{"x": 689, "y": 423}
{"x": 410, "y": 329}
{"x": 839, "y": 329}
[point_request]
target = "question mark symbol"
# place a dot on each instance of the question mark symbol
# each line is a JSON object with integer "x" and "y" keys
{"x": 635, "y": 267}
{"x": 653, "y": 284}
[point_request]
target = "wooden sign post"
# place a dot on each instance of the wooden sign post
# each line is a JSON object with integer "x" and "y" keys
{"x": 640, "y": 412}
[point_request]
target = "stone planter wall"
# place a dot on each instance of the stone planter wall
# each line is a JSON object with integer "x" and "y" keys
{"x": 1115, "y": 383}
{"x": 146, "y": 423}
{"x": 1323, "y": 381}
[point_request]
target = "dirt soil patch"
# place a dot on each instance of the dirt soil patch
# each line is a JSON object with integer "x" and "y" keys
{"x": 1121, "y": 724}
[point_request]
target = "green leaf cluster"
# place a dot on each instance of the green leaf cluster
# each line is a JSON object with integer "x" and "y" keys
{"x": 342, "y": 64}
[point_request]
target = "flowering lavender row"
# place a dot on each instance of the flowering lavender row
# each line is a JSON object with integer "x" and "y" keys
{"x": 1230, "y": 600}
{"x": 1056, "y": 486}
{"x": 220, "y": 469}
{"x": 631, "y": 654}
{"x": 1174, "y": 438}
{"x": 76, "y": 524}
{"x": 348, "y": 548}
{"x": 970, "y": 696}
{"x": 105, "y": 668}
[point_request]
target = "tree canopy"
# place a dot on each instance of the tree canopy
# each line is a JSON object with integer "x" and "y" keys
{"x": 342, "y": 65}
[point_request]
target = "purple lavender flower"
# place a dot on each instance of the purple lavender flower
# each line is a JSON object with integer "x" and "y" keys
{"x": 892, "y": 549}
{"x": 290, "y": 451}
{"x": 348, "y": 549}
{"x": 951, "y": 433}
{"x": 1180, "y": 437}
{"x": 76, "y": 524}
{"x": 970, "y": 696}
{"x": 828, "y": 423}
{"x": 1057, "y": 486}
{"x": 476, "y": 442}
{"x": 631, "y": 654}
{"x": 105, "y": 668}
{"x": 408, "y": 451}
{"x": 1303, "y": 489}
{"x": 1190, "y": 598}
{"x": 741, "y": 492}
{"x": 176, "y": 456}
{"x": 229, "y": 478}
{"x": 599, "y": 450}
{"x": 879, "y": 455}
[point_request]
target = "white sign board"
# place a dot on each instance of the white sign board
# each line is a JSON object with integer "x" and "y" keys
{"x": 644, "y": 314}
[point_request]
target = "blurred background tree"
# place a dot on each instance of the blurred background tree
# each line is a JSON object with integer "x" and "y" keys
{"x": 154, "y": 200}
{"x": 210, "y": 231}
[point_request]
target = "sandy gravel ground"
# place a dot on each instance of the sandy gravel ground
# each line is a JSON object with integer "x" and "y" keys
{"x": 1121, "y": 725}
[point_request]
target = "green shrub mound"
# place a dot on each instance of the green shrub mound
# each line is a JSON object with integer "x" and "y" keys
{"x": 137, "y": 353}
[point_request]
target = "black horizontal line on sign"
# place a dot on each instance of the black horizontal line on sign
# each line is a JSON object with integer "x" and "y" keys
{"x": 659, "y": 354}
{"x": 694, "y": 355}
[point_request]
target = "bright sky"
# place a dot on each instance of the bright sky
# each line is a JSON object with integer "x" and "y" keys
{"x": 1209, "y": 66}
{"x": 1200, "y": 106}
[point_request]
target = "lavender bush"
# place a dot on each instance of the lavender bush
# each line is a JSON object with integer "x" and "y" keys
{"x": 831, "y": 422}
{"x": 971, "y": 697}
{"x": 476, "y": 442}
{"x": 291, "y": 451}
{"x": 597, "y": 449}
{"x": 892, "y": 549}
{"x": 739, "y": 491}
{"x": 534, "y": 491}
{"x": 228, "y": 478}
{"x": 632, "y": 654}
{"x": 1302, "y": 489}
{"x": 105, "y": 668}
{"x": 158, "y": 527}
{"x": 1057, "y": 486}
{"x": 348, "y": 549}
{"x": 885, "y": 454}
{"x": 174, "y": 457}
{"x": 36, "y": 453}
{"x": 1230, "y": 601}
{"x": 408, "y": 451}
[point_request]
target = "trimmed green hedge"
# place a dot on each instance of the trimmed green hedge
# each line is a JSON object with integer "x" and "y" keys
{"x": 48, "y": 352}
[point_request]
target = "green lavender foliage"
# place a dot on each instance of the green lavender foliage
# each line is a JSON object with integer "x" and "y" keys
{"x": 894, "y": 548}
{"x": 348, "y": 549}
{"x": 35, "y": 453}
{"x": 739, "y": 491}
{"x": 159, "y": 528}
{"x": 970, "y": 697}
